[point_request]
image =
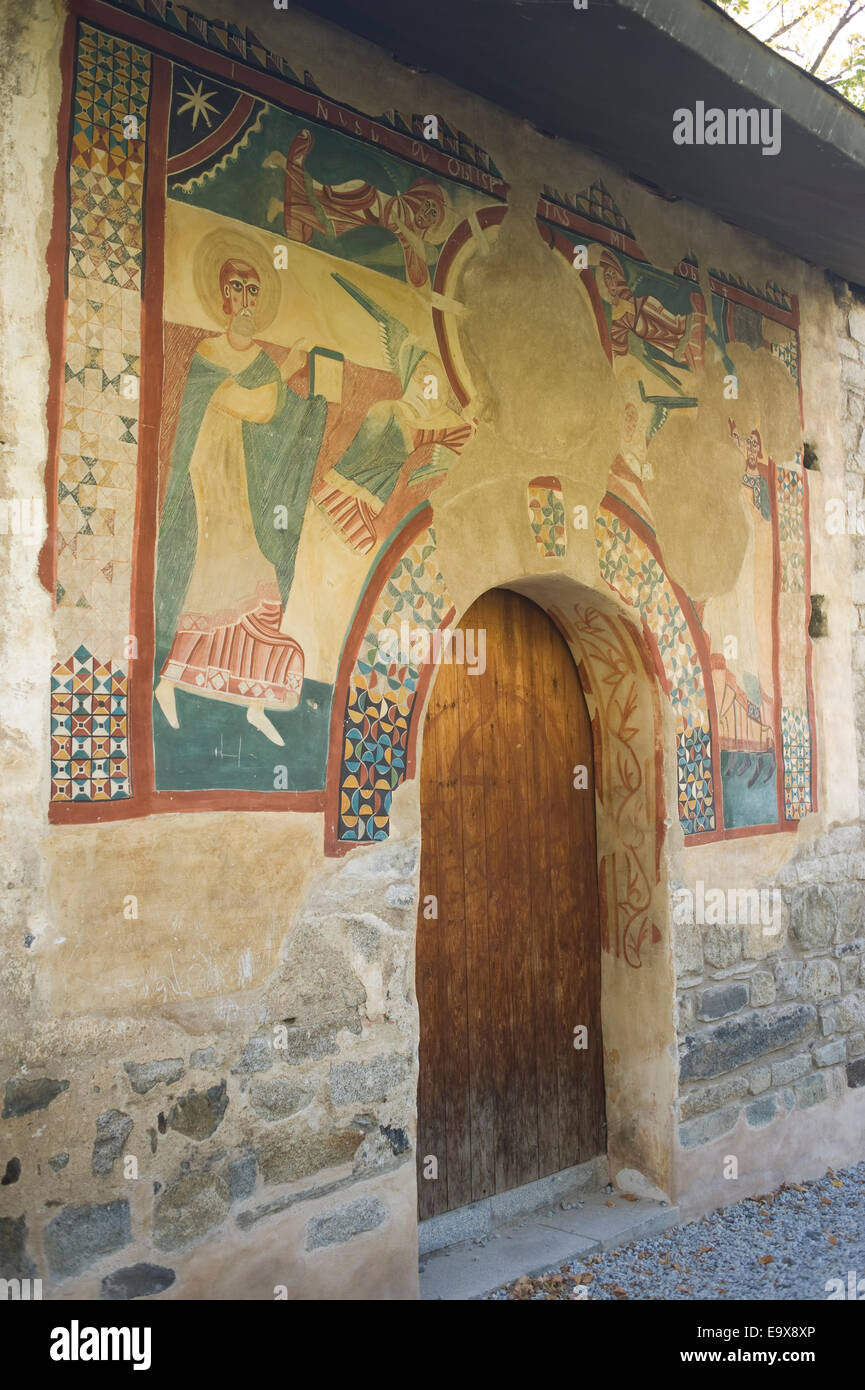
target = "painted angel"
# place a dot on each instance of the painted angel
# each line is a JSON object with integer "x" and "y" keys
{"x": 403, "y": 447}
{"x": 416, "y": 217}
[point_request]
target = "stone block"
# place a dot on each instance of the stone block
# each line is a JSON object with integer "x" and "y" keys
{"x": 15, "y": 1262}
{"x": 811, "y": 1090}
{"x": 762, "y": 939}
{"x": 300, "y": 1156}
{"x": 759, "y": 1080}
{"x": 143, "y": 1076}
{"x": 790, "y": 1069}
{"x": 198, "y": 1114}
{"x": 188, "y": 1209}
{"x": 58, "y": 1161}
{"x": 709, "y": 1098}
{"x": 686, "y": 1017}
{"x": 852, "y": 374}
{"x": 850, "y": 898}
{"x": 722, "y": 945}
{"x": 687, "y": 949}
{"x": 257, "y": 1055}
{"x": 310, "y": 1044}
{"x": 397, "y": 1138}
{"x": 856, "y": 1045}
{"x": 762, "y": 988}
{"x": 740, "y": 1040}
{"x": 362, "y": 1083}
{"x": 856, "y": 1073}
{"x": 721, "y": 1000}
{"x": 849, "y": 1013}
{"x": 25, "y": 1094}
{"x": 856, "y": 323}
{"x": 830, "y": 1054}
{"x": 366, "y": 930}
{"x": 241, "y": 1177}
{"x": 346, "y": 1222}
{"x": 203, "y": 1058}
{"x": 315, "y": 979}
{"x": 79, "y": 1236}
{"x": 821, "y": 980}
{"x": 276, "y": 1098}
{"x": 788, "y": 978}
{"x": 849, "y": 967}
{"x": 137, "y": 1281}
{"x": 761, "y": 1112}
{"x": 813, "y": 917}
{"x": 708, "y": 1127}
{"x": 113, "y": 1128}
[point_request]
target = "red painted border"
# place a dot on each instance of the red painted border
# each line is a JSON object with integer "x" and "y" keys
{"x": 809, "y": 679}
{"x": 215, "y": 140}
{"x": 487, "y": 217}
{"x": 284, "y": 93}
{"x": 765, "y": 307}
{"x": 595, "y": 231}
{"x": 557, "y": 241}
{"x": 55, "y": 313}
{"x": 776, "y": 636}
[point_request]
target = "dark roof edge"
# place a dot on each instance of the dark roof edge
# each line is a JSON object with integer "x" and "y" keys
{"x": 708, "y": 31}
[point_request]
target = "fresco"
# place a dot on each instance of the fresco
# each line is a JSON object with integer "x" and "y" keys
{"x": 258, "y": 387}
{"x": 302, "y": 397}
{"x": 736, "y": 668}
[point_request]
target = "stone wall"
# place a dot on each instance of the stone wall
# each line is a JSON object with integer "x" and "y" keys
{"x": 230, "y": 1138}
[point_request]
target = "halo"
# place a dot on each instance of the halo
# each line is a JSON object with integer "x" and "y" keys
{"x": 225, "y": 244}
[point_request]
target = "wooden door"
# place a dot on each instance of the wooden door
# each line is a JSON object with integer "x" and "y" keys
{"x": 510, "y": 966}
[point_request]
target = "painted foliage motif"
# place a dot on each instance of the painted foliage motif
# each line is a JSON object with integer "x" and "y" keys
{"x": 306, "y": 395}
{"x": 743, "y": 708}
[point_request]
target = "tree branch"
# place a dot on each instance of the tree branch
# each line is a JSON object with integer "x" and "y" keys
{"x": 853, "y": 8}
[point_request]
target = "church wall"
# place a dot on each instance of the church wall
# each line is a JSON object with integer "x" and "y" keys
{"x": 208, "y": 935}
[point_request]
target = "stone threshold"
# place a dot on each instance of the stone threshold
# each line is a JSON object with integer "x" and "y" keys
{"x": 480, "y": 1219}
{"x": 472, "y": 1268}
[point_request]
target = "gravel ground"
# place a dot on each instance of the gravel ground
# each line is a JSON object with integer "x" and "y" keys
{"x": 783, "y": 1245}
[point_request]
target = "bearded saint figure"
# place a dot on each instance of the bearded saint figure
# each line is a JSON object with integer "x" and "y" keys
{"x": 242, "y": 463}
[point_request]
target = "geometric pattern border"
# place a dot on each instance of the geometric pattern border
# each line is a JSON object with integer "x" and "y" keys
{"x": 629, "y": 567}
{"x": 382, "y": 692}
{"x": 89, "y": 731}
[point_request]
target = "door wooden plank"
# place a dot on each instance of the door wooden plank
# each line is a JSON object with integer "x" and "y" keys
{"x": 481, "y": 1043}
{"x": 547, "y": 1021}
{"x": 430, "y": 987}
{"x": 512, "y": 964}
{"x": 520, "y": 620}
{"x": 452, "y": 946}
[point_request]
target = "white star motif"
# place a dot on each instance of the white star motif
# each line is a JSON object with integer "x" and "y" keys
{"x": 198, "y": 103}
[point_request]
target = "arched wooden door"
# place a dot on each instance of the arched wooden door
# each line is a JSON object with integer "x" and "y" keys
{"x": 510, "y": 965}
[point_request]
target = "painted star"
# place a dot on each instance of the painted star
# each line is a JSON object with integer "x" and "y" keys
{"x": 198, "y": 104}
